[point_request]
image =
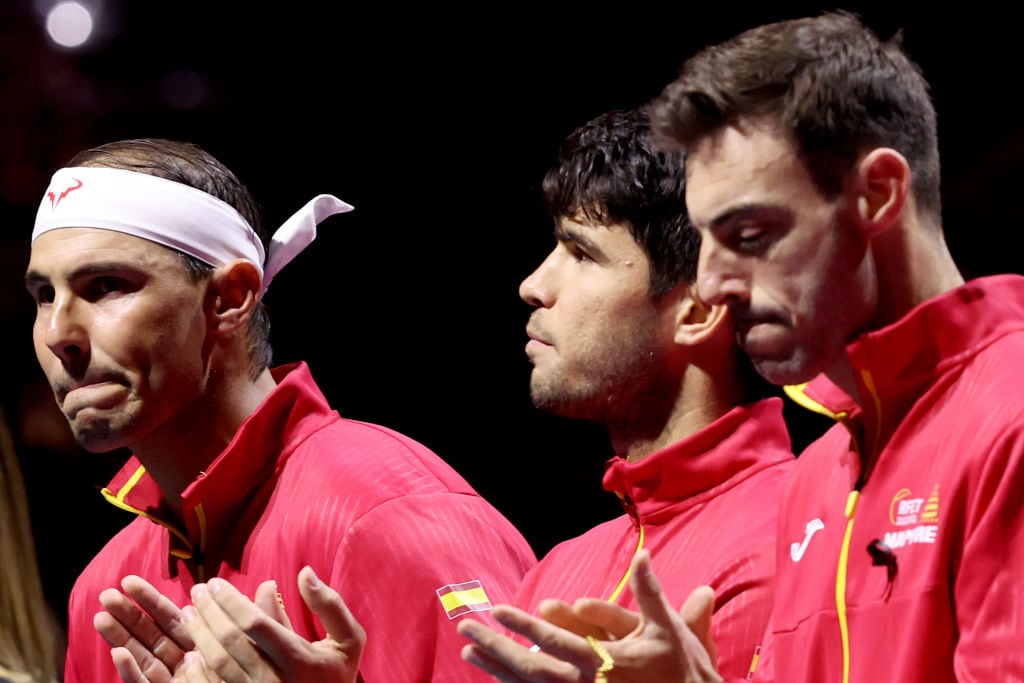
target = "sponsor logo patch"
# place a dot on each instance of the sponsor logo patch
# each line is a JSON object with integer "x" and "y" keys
{"x": 916, "y": 518}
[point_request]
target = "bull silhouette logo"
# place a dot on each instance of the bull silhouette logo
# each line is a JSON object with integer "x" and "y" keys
{"x": 55, "y": 197}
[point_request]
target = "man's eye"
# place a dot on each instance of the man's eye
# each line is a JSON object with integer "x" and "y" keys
{"x": 44, "y": 295}
{"x": 579, "y": 254}
{"x": 751, "y": 238}
{"x": 106, "y": 285}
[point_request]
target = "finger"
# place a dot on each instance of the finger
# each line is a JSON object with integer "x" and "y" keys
{"x": 562, "y": 615}
{"x": 128, "y": 621}
{"x": 269, "y": 650}
{"x": 482, "y": 660}
{"x": 131, "y": 622}
{"x": 127, "y": 646}
{"x": 696, "y": 613}
{"x": 338, "y": 621}
{"x": 112, "y": 630}
{"x": 159, "y": 608}
{"x": 128, "y": 669}
{"x": 616, "y": 621}
{"x": 482, "y": 652}
{"x": 508, "y": 660}
{"x": 193, "y": 670}
{"x": 654, "y": 606}
{"x": 247, "y": 633}
{"x": 216, "y": 637}
{"x": 269, "y": 600}
{"x": 557, "y": 642}
{"x": 693, "y": 649}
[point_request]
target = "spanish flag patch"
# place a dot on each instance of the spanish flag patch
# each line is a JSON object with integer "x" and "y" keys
{"x": 460, "y": 598}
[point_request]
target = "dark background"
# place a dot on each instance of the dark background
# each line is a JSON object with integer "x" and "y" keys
{"x": 437, "y": 123}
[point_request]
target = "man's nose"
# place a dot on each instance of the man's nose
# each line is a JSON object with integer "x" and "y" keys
{"x": 65, "y": 333}
{"x": 538, "y": 287}
{"x": 722, "y": 278}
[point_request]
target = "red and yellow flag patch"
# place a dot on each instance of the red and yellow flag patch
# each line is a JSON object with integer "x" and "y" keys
{"x": 460, "y": 598}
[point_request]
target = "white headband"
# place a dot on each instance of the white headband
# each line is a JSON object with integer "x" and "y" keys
{"x": 176, "y": 216}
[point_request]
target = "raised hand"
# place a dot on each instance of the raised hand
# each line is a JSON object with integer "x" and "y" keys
{"x": 144, "y": 629}
{"x": 658, "y": 644}
{"x": 240, "y": 640}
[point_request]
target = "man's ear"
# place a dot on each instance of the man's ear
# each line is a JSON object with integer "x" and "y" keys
{"x": 233, "y": 294}
{"x": 698, "y": 322}
{"x": 877, "y": 190}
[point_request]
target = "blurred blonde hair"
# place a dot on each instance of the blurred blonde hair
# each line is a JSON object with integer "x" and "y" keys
{"x": 29, "y": 639}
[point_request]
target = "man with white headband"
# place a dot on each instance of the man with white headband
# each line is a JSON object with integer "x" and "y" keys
{"x": 148, "y": 269}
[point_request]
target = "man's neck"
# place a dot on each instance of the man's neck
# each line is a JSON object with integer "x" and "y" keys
{"x": 702, "y": 399}
{"x": 186, "y": 445}
{"x": 914, "y": 265}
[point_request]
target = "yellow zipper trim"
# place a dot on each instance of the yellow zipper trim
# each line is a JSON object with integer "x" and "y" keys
{"x": 796, "y": 394}
{"x": 117, "y": 500}
{"x": 201, "y": 566}
{"x": 841, "y": 571}
{"x": 625, "y": 577}
{"x": 870, "y": 384}
{"x": 851, "y": 507}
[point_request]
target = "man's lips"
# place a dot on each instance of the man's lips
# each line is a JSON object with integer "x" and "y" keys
{"x": 99, "y": 395}
{"x": 92, "y": 382}
{"x": 64, "y": 386}
{"x": 536, "y": 341}
{"x": 762, "y": 335}
{"x": 744, "y": 326}
{"x": 536, "y": 335}
{"x": 535, "y": 345}
{"x": 749, "y": 320}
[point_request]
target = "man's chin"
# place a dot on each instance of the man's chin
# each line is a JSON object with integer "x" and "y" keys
{"x": 97, "y": 438}
{"x": 564, "y": 406}
{"x": 783, "y": 371}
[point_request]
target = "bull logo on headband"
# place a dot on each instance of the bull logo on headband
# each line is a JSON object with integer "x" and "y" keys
{"x": 56, "y": 198}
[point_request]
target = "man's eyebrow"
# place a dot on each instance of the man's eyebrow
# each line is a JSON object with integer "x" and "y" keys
{"x": 736, "y": 212}
{"x": 33, "y": 277}
{"x": 563, "y": 234}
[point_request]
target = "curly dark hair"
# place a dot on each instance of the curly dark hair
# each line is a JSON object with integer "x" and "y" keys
{"x": 609, "y": 171}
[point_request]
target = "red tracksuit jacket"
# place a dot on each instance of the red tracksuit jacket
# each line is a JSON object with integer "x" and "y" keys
{"x": 378, "y": 516}
{"x": 901, "y": 542}
{"x": 705, "y": 507}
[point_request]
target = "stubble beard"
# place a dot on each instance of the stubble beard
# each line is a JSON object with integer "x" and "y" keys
{"x": 96, "y": 435}
{"x": 596, "y": 391}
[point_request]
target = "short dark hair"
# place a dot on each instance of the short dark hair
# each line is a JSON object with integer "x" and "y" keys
{"x": 827, "y": 79}
{"x": 189, "y": 164}
{"x": 609, "y": 171}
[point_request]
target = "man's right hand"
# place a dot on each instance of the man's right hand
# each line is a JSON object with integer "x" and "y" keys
{"x": 145, "y": 631}
{"x": 238, "y": 640}
{"x": 226, "y": 637}
{"x": 657, "y": 644}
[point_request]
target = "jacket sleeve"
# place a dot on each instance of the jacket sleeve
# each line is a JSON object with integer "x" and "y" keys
{"x": 414, "y": 566}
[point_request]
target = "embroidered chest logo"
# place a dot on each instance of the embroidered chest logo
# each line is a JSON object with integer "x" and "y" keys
{"x": 797, "y": 550}
{"x": 55, "y": 196}
{"x": 916, "y": 519}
